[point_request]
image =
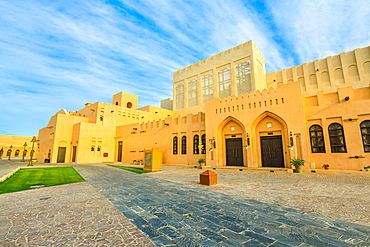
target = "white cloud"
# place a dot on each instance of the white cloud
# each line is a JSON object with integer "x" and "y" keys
{"x": 317, "y": 29}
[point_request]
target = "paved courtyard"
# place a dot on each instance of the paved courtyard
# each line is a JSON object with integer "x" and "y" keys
{"x": 181, "y": 214}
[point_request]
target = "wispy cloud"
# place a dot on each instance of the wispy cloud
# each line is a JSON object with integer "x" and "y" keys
{"x": 62, "y": 54}
{"x": 317, "y": 29}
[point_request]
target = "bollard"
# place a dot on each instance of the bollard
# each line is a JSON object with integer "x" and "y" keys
{"x": 208, "y": 178}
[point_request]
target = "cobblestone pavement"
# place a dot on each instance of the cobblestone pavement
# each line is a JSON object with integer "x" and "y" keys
{"x": 341, "y": 196}
{"x": 66, "y": 215}
{"x": 172, "y": 214}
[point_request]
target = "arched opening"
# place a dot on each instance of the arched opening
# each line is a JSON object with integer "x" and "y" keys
{"x": 270, "y": 140}
{"x": 129, "y": 105}
{"x": 62, "y": 152}
{"x": 230, "y": 141}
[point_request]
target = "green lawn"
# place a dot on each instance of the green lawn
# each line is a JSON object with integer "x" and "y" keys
{"x": 131, "y": 169}
{"x": 49, "y": 176}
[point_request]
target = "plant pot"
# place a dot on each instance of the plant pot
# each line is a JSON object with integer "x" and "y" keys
{"x": 298, "y": 169}
{"x": 326, "y": 168}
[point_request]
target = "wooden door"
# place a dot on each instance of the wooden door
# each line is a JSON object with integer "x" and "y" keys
{"x": 74, "y": 152}
{"x": 234, "y": 152}
{"x": 119, "y": 156}
{"x": 61, "y": 154}
{"x": 272, "y": 151}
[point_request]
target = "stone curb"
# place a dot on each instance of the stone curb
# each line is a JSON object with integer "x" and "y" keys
{"x": 5, "y": 177}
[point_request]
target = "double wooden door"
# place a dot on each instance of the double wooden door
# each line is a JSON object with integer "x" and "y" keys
{"x": 272, "y": 151}
{"x": 234, "y": 152}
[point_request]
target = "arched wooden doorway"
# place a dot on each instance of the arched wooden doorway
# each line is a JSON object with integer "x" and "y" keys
{"x": 62, "y": 152}
{"x": 231, "y": 136}
{"x": 270, "y": 139}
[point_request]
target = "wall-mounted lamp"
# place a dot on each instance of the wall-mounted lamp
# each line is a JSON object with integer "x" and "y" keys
{"x": 291, "y": 144}
{"x": 134, "y": 128}
{"x": 111, "y": 111}
{"x": 346, "y": 98}
{"x": 92, "y": 109}
{"x": 133, "y": 132}
{"x": 156, "y": 112}
{"x": 247, "y": 142}
{"x": 50, "y": 127}
{"x": 212, "y": 143}
{"x": 166, "y": 124}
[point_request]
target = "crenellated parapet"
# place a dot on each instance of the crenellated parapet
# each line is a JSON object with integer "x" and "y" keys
{"x": 342, "y": 70}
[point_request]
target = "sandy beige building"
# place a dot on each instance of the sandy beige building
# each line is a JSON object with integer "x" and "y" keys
{"x": 17, "y": 147}
{"x": 227, "y": 110}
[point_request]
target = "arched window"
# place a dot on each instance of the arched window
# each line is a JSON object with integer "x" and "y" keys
{"x": 365, "y": 132}
{"x": 317, "y": 139}
{"x": 174, "y": 145}
{"x": 336, "y": 135}
{"x": 204, "y": 144}
{"x": 196, "y": 144}
{"x": 183, "y": 145}
{"x": 17, "y": 153}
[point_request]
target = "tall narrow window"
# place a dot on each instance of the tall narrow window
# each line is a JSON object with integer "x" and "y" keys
{"x": 196, "y": 144}
{"x": 179, "y": 96}
{"x": 183, "y": 145}
{"x": 336, "y": 135}
{"x": 174, "y": 145}
{"x": 243, "y": 77}
{"x": 224, "y": 83}
{"x": 317, "y": 139}
{"x": 365, "y": 132}
{"x": 204, "y": 144}
{"x": 207, "y": 87}
{"x": 193, "y": 92}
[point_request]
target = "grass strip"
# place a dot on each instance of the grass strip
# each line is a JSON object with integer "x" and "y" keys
{"x": 131, "y": 169}
{"x": 26, "y": 178}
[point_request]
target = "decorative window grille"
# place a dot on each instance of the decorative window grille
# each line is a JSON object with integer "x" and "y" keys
{"x": 174, "y": 146}
{"x": 204, "y": 144}
{"x": 317, "y": 139}
{"x": 179, "y": 96}
{"x": 243, "y": 78}
{"x": 207, "y": 87}
{"x": 193, "y": 92}
{"x": 365, "y": 132}
{"x": 224, "y": 83}
{"x": 183, "y": 145}
{"x": 337, "y": 141}
{"x": 196, "y": 144}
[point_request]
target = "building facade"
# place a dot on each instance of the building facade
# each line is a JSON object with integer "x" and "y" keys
{"x": 227, "y": 110}
{"x": 17, "y": 147}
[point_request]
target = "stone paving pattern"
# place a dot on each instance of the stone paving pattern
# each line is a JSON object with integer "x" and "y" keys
{"x": 66, "y": 215}
{"x": 343, "y": 196}
{"x": 173, "y": 214}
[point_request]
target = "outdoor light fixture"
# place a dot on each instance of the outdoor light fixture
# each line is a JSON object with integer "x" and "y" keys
{"x": 134, "y": 128}
{"x": 166, "y": 124}
{"x": 24, "y": 150}
{"x": 212, "y": 143}
{"x": 33, "y": 144}
{"x": 291, "y": 144}
{"x": 247, "y": 142}
{"x": 346, "y": 98}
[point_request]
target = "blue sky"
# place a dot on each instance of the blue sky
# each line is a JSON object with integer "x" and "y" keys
{"x": 62, "y": 54}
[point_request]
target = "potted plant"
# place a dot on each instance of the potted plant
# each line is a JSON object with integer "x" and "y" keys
{"x": 201, "y": 161}
{"x": 298, "y": 163}
{"x": 325, "y": 166}
{"x": 367, "y": 168}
